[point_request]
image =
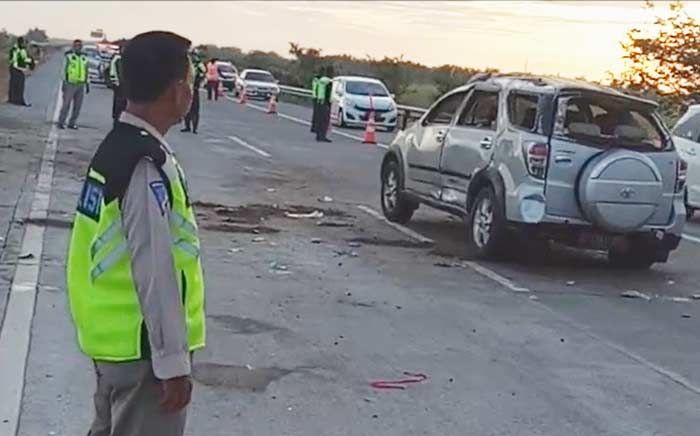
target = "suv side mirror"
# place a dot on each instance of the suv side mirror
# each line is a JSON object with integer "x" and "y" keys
{"x": 393, "y": 96}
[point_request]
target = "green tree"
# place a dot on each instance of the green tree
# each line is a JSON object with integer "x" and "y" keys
{"x": 36, "y": 35}
{"x": 664, "y": 59}
{"x": 392, "y": 71}
{"x": 307, "y": 62}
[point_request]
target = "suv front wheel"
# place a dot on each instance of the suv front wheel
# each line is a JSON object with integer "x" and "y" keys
{"x": 486, "y": 226}
{"x": 396, "y": 207}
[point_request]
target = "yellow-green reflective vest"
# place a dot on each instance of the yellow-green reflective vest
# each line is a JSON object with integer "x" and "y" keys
{"x": 19, "y": 57}
{"x": 102, "y": 295}
{"x": 76, "y": 68}
{"x": 314, "y": 88}
{"x": 322, "y": 89}
{"x": 115, "y": 69}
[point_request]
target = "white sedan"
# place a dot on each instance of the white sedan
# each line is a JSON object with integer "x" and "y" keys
{"x": 257, "y": 84}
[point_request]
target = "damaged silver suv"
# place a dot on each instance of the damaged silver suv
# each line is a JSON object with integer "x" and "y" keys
{"x": 541, "y": 159}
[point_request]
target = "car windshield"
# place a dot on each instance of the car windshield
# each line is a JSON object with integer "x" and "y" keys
{"x": 259, "y": 76}
{"x": 91, "y": 52}
{"x": 366, "y": 88}
{"x": 610, "y": 122}
{"x": 225, "y": 68}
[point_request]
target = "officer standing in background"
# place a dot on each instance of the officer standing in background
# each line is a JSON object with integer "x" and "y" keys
{"x": 20, "y": 64}
{"x": 75, "y": 84}
{"x": 314, "y": 98}
{"x": 323, "y": 99}
{"x": 135, "y": 282}
{"x": 115, "y": 74}
{"x": 199, "y": 71}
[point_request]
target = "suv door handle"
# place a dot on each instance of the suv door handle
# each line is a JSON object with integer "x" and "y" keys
{"x": 486, "y": 143}
{"x": 440, "y": 135}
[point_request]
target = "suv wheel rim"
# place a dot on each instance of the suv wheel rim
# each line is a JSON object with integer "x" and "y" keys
{"x": 391, "y": 190}
{"x": 481, "y": 224}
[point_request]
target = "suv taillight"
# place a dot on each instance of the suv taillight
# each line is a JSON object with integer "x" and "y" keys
{"x": 536, "y": 154}
{"x": 681, "y": 174}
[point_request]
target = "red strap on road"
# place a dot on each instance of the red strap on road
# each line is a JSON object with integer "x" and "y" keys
{"x": 399, "y": 384}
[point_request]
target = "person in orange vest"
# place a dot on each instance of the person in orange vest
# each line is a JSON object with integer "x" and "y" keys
{"x": 212, "y": 79}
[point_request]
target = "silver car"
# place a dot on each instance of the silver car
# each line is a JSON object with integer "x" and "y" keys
{"x": 539, "y": 159}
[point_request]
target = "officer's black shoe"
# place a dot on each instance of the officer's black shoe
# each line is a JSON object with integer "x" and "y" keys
{"x": 325, "y": 140}
{"x": 62, "y": 126}
{"x": 194, "y": 131}
{"x": 186, "y": 129}
{"x": 73, "y": 127}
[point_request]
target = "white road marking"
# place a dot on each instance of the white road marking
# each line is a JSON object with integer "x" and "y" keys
{"x": 691, "y": 238}
{"x": 405, "y": 230}
{"x": 15, "y": 336}
{"x": 307, "y": 123}
{"x": 488, "y": 273}
{"x": 242, "y": 143}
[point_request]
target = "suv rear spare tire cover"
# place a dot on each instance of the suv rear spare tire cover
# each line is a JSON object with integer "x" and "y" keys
{"x": 619, "y": 190}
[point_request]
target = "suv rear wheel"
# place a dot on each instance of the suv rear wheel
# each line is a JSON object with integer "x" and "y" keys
{"x": 396, "y": 207}
{"x": 486, "y": 226}
{"x": 637, "y": 256}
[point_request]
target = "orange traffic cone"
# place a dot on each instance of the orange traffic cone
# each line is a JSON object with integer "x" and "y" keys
{"x": 272, "y": 105}
{"x": 370, "y": 131}
{"x": 243, "y": 97}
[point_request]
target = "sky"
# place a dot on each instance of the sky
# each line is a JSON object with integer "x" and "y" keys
{"x": 571, "y": 38}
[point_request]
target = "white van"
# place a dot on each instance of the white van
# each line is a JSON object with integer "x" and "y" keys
{"x": 353, "y": 97}
{"x": 686, "y": 138}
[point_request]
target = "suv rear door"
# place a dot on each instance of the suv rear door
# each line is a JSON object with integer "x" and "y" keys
{"x": 425, "y": 144}
{"x": 468, "y": 145}
{"x": 590, "y": 125}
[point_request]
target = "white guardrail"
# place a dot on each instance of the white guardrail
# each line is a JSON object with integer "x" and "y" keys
{"x": 406, "y": 113}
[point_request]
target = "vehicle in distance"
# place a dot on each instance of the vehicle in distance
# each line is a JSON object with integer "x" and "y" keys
{"x": 94, "y": 64}
{"x": 257, "y": 84}
{"x": 354, "y": 97}
{"x": 687, "y": 140}
{"x": 537, "y": 159}
{"x": 227, "y": 74}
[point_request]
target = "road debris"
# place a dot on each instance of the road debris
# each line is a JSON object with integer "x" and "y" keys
{"x": 350, "y": 253}
{"x": 316, "y": 240}
{"x": 25, "y": 256}
{"x": 315, "y": 214}
{"x": 271, "y": 190}
{"x": 276, "y": 266}
{"x": 334, "y": 223}
{"x": 695, "y": 296}
{"x": 671, "y": 282}
{"x": 235, "y": 250}
{"x": 570, "y": 283}
{"x": 443, "y": 264}
{"x": 354, "y": 244}
{"x": 686, "y": 315}
{"x": 401, "y": 383}
{"x": 635, "y": 294}
{"x": 680, "y": 299}
{"x": 259, "y": 239}
{"x": 326, "y": 199}
{"x": 534, "y": 297}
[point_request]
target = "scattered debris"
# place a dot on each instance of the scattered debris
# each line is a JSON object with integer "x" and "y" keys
{"x": 562, "y": 340}
{"x": 534, "y": 297}
{"x": 326, "y": 199}
{"x": 235, "y": 250}
{"x": 671, "y": 282}
{"x": 695, "y": 296}
{"x": 346, "y": 253}
{"x": 276, "y": 266}
{"x": 570, "y": 283}
{"x": 375, "y": 416}
{"x": 686, "y": 315}
{"x": 249, "y": 367}
{"x": 368, "y": 400}
{"x": 680, "y": 299}
{"x": 25, "y": 256}
{"x": 399, "y": 384}
{"x": 271, "y": 190}
{"x": 316, "y": 240}
{"x": 314, "y": 214}
{"x": 334, "y": 223}
{"x": 259, "y": 239}
{"x": 354, "y": 244}
{"x": 349, "y": 294}
{"x": 443, "y": 264}
{"x": 635, "y": 294}
{"x": 398, "y": 307}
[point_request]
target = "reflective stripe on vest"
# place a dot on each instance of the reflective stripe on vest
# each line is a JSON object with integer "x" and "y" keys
{"x": 76, "y": 68}
{"x": 322, "y": 88}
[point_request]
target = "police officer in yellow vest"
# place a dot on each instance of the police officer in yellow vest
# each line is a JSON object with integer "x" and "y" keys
{"x": 75, "y": 84}
{"x": 20, "y": 65}
{"x": 118, "y": 100}
{"x": 135, "y": 282}
{"x": 314, "y": 97}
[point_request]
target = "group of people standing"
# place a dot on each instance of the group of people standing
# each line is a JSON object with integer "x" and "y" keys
{"x": 321, "y": 87}
{"x": 20, "y": 65}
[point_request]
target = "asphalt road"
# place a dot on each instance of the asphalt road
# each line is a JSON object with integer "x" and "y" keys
{"x": 303, "y": 318}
